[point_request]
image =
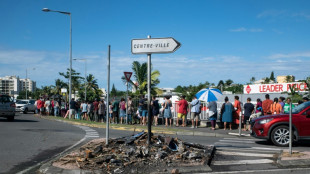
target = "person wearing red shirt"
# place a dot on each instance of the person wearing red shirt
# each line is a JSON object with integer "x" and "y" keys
{"x": 182, "y": 112}
{"x": 237, "y": 107}
{"x": 96, "y": 108}
{"x": 266, "y": 105}
{"x": 40, "y": 105}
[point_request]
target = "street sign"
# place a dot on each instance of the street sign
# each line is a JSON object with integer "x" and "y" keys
{"x": 154, "y": 45}
{"x": 127, "y": 75}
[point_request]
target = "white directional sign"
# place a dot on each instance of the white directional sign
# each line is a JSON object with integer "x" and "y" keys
{"x": 154, "y": 45}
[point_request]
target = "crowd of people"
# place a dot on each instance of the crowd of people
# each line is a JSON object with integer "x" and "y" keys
{"x": 138, "y": 113}
{"x": 230, "y": 112}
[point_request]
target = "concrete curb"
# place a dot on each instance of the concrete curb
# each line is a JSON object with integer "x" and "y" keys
{"x": 303, "y": 161}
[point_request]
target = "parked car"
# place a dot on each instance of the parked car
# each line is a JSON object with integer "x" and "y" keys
{"x": 25, "y": 106}
{"x": 7, "y": 107}
{"x": 276, "y": 127}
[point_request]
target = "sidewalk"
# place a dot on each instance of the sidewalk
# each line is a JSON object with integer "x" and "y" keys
{"x": 160, "y": 129}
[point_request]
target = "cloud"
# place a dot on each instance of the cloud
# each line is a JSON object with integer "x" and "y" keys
{"x": 290, "y": 55}
{"x": 283, "y": 14}
{"x": 242, "y": 29}
{"x": 175, "y": 69}
{"x": 271, "y": 13}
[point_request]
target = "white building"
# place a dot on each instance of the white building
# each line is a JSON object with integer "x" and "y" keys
{"x": 12, "y": 85}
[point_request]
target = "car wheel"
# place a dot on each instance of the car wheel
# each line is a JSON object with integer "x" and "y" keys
{"x": 280, "y": 136}
{"x": 10, "y": 118}
{"x": 26, "y": 111}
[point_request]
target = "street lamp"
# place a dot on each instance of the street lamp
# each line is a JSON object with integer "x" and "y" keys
{"x": 85, "y": 60}
{"x": 70, "y": 71}
{"x": 26, "y": 82}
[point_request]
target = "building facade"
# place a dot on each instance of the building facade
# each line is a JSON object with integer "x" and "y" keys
{"x": 12, "y": 85}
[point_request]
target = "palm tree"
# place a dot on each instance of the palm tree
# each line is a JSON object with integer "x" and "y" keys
{"x": 252, "y": 80}
{"x": 92, "y": 88}
{"x": 75, "y": 77}
{"x": 140, "y": 76}
{"x": 58, "y": 85}
{"x": 229, "y": 82}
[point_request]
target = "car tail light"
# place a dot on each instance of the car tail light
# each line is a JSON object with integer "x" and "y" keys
{"x": 13, "y": 105}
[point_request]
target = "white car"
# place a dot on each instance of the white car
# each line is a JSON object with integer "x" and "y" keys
{"x": 25, "y": 106}
{"x": 7, "y": 107}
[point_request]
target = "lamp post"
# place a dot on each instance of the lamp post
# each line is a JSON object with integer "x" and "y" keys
{"x": 85, "y": 80}
{"x": 70, "y": 54}
{"x": 26, "y": 86}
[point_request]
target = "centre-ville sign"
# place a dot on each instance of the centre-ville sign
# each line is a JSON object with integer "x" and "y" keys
{"x": 154, "y": 45}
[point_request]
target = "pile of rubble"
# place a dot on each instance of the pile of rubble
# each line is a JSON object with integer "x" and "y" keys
{"x": 133, "y": 155}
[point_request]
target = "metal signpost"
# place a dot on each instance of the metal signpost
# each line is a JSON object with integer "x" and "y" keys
{"x": 291, "y": 133}
{"x": 151, "y": 46}
{"x": 127, "y": 76}
{"x": 107, "y": 101}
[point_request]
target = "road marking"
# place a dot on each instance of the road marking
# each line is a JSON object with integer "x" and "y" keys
{"x": 242, "y": 162}
{"x": 244, "y": 154}
{"x": 260, "y": 171}
{"x": 240, "y": 139}
{"x": 246, "y": 150}
{"x": 265, "y": 148}
{"x": 234, "y": 141}
{"x": 231, "y": 133}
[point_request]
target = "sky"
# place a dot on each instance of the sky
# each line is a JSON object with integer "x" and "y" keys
{"x": 220, "y": 40}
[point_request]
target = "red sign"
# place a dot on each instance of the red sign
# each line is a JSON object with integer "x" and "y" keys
{"x": 275, "y": 88}
{"x": 248, "y": 89}
{"x": 127, "y": 75}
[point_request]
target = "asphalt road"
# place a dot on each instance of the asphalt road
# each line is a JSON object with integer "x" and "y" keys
{"x": 30, "y": 140}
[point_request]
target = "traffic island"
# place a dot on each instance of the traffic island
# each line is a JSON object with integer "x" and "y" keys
{"x": 301, "y": 159}
{"x": 133, "y": 155}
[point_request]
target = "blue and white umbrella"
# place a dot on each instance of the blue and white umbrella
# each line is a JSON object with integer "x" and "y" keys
{"x": 209, "y": 95}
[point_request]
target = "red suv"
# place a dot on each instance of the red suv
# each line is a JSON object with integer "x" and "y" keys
{"x": 276, "y": 127}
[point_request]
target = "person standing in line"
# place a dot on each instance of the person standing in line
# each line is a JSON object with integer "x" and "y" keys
{"x": 90, "y": 111}
{"x": 276, "y": 108}
{"x": 110, "y": 112}
{"x": 248, "y": 111}
{"x": 122, "y": 110}
{"x": 101, "y": 109}
{"x": 266, "y": 105}
{"x": 47, "y": 106}
{"x": 167, "y": 112}
{"x": 227, "y": 113}
{"x": 237, "y": 107}
{"x": 281, "y": 102}
{"x": 72, "y": 108}
{"x": 287, "y": 106}
{"x": 36, "y": 106}
{"x": 96, "y": 114}
{"x": 195, "y": 111}
{"x": 40, "y": 105}
{"x": 130, "y": 110}
{"x": 143, "y": 109}
{"x": 56, "y": 108}
{"x": 84, "y": 108}
{"x": 115, "y": 105}
{"x": 182, "y": 111}
{"x": 155, "y": 109}
{"x": 212, "y": 113}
